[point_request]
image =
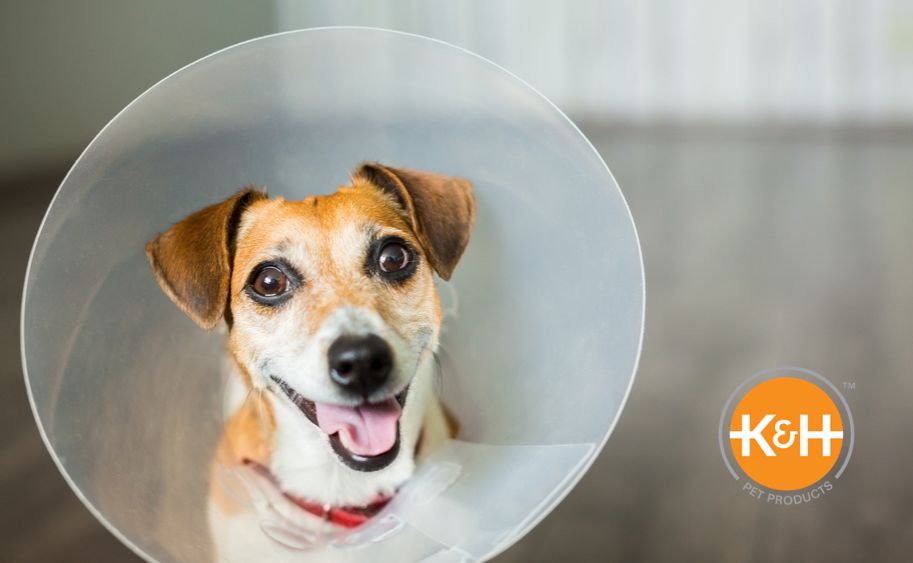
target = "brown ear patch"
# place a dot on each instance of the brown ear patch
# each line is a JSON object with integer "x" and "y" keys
{"x": 192, "y": 259}
{"x": 441, "y": 209}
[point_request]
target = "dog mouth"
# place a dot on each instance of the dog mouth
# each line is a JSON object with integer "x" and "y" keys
{"x": 364, "y": 437}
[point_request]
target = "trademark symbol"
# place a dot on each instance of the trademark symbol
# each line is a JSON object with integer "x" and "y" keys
{"x": 849, "y": 385}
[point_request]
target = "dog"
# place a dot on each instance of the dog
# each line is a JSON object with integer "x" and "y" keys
{"x": 333, "y": 321}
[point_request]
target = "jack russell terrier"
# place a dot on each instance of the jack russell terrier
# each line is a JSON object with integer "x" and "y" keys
{"x": 333, "y": 321}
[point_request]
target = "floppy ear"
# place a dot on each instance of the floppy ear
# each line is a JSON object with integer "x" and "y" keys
{"x": 441, "y": 209}
{"x": 192, "y": 260}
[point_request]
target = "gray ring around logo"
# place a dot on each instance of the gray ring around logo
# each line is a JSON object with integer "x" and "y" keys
{"x": 785, "y": 368}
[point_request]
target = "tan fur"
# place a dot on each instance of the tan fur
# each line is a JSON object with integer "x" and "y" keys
{"x": 205, "y": 263}
{"x": 268, "y": 224}
{"x": 242, "y": 439}
{"x": 440, "y": 209}
{"x": 192, "y": 260}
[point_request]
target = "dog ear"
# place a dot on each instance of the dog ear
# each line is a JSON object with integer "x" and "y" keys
{"x": 441, "y": 209}
{"x": 192, "y": 260}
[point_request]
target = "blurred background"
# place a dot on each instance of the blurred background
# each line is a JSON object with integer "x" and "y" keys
{"x": 765, "y": 149}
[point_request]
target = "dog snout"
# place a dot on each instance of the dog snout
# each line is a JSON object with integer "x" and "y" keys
{"x": 360, "y": 364}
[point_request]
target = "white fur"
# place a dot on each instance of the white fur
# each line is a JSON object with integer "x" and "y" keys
{"x": 302, "y": 362}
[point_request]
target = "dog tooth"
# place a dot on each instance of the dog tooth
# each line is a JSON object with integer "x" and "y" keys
{"x": 344, "y": 440}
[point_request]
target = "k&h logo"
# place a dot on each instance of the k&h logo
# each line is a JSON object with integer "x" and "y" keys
{"x": 786, "y": 429}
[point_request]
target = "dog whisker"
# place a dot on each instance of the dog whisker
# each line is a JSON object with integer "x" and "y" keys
{"x": 264, "y": 427}
{"x": 438, "y": 374}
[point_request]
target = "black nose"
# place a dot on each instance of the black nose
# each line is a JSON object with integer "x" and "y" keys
{"x": 360, "y": 364}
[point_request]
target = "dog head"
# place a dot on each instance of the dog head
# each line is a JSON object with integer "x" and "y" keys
{"x": 330, "y": 301}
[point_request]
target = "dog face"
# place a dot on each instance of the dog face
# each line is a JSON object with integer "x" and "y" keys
{"x": 333, "y": 304}
{"x": 330, "y": 301}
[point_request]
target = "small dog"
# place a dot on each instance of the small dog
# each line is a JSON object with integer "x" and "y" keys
{"x": 333, "y": 320}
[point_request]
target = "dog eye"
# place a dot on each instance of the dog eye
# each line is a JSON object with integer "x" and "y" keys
{"x": 393, "y": 258}
{"x": 270, "y": 282}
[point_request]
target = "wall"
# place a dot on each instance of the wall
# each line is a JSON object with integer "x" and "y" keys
{"x": 67, "y": 68}
{"x": 812, "y": 61}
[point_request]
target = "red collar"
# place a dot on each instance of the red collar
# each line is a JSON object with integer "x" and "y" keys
{"x": 345, "y": 516}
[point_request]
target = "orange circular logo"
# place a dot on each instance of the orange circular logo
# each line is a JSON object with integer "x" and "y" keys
{"x": 786, "y": 433}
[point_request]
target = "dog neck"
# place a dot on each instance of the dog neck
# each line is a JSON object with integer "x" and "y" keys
{"x": 345, "y": 516}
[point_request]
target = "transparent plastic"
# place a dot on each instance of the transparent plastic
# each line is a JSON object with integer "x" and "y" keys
{"x": 544, "y": 315}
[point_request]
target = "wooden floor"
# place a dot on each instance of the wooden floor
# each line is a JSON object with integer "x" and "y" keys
{"x": 762, "y": 248}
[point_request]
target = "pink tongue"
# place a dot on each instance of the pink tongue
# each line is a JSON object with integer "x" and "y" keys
{"x": 370, "y": 429}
